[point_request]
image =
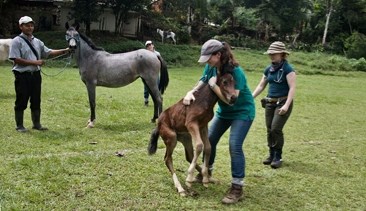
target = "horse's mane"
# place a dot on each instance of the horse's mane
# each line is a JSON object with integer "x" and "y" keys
{"x": 90, "y": 43}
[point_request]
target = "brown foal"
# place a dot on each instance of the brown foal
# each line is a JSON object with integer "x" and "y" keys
{"x": 182, "y": 123}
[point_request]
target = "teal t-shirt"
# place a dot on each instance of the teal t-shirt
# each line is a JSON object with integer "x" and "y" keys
{"x": 278, "y": 86}
{"x": 244, "y": 107}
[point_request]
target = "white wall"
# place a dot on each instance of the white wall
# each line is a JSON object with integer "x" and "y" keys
{"x": 106, "y": 22}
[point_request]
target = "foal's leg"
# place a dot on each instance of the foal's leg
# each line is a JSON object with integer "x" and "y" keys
{"x": 170, "y": 142}
{"x": 91, "y": 87}
{"x": 195, "y": 133}
{"x": 186, "y": 140}
{"x": 207, "y": 154}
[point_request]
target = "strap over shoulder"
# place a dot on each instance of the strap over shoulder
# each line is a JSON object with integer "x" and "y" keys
{"x": 31, "y": 46}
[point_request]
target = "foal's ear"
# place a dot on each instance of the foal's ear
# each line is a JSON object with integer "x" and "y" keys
{"x": 67, "y": 25}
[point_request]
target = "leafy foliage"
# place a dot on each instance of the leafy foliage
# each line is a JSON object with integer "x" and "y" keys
{"x": 86, "y": 11}
{"x": 356, "y": 45}
{"x": 122, "y": 8}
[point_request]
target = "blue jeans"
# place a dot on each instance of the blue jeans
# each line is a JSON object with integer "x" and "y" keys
{"x": 238, "y": 131}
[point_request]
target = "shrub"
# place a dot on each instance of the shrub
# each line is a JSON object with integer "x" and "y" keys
{"x": 356, "y": 45}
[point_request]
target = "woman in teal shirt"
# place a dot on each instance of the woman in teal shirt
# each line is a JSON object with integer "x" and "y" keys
{"x": 238, "y": 117}
{"x": 278, "y": 104}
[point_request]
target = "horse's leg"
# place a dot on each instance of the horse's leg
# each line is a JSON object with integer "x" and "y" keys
{"x": 91, "y": 94}
{"x": 175, "y": 42}
{"x": 157, "y": 99}
{"x": 170, "y": 141}
{"x": 195, "y": 133}
{"x": 207, "y": 154}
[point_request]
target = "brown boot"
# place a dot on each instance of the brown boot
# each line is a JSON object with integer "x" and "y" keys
{"x": 234, "y": 194}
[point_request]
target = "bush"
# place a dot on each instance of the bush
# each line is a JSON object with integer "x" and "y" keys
{"x": 356, "y": 46}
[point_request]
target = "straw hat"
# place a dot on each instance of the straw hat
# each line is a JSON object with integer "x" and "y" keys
{"x": 277, "y": 47}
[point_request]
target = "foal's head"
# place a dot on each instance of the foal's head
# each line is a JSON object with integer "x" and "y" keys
{"x": 226, "y": 83}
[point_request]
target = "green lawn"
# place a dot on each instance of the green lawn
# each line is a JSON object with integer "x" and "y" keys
{"x": 70, "y": 167}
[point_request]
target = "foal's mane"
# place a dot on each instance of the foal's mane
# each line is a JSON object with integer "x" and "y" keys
{"x": 90, "y": 43}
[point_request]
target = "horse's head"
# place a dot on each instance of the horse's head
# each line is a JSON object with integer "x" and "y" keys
{"x": 226, "y": 83}
{"x": 72, "y": 36}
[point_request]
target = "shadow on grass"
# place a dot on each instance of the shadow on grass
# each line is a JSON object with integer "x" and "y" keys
{"x": 127, "y": 126}
{"x": 7, "y": 96}
{"x": 311, "y": 169}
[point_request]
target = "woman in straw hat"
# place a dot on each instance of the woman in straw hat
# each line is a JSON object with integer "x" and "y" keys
{"x": 238, "y": 117}
{"x": 281, "y": 78}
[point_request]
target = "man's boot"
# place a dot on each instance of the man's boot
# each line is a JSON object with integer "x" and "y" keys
{"x": 234, "y": 194}
{"x": 269, "y": 159}
{"x": 277, "y": 160}
{"x": 19, "y": 121}
{"x": 36, "y": 117}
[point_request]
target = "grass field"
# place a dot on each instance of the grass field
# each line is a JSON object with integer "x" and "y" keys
{"x": 70, "y": 167}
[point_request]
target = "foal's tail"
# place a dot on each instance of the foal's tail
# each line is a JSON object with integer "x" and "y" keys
{"x": 164, "y": 76}
{"x": 153, "y": 145}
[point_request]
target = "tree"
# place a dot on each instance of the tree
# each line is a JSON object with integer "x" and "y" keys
{"x": 86, "y": 12}
{"x": 283, "y": 16}
{"x": 121, "y": 10}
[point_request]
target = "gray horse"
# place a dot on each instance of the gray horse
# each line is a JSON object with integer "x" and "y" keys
{"x": 100, "y": 68}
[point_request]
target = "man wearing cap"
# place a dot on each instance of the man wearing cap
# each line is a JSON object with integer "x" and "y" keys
{"x": 238, "y": 117}
{"x": 278, "y": 103}
{"x": 26, "y": 69}
{"x": 149, "y": 45}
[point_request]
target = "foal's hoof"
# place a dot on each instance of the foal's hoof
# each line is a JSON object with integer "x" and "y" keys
{"x": 192, "y": 193}
{"x": 189, "y": 184}
{"x": 183, "y": 194}
{"x": 205, "y": 184}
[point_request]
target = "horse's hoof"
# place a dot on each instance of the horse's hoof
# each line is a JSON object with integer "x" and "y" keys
{"x": 91, "y": 124}
{"x": 153, "y": 120}
{"x": 205, "y": 184}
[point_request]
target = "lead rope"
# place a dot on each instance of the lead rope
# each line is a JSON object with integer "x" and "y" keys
{"x": 68, "y": 62}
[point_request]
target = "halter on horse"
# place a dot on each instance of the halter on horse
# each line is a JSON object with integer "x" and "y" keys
{"x": 182, "y": 123}
{"x": 166, "y": 34}
{"x": 100, "y": 68}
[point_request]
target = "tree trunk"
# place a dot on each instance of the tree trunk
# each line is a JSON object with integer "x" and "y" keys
{"x": 327, "y": 23}
{"x": 266, "y": 35}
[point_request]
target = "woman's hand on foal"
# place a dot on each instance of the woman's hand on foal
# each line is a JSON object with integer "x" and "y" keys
{"x": 189, "y": 97}
{"x": 212, "y": 82}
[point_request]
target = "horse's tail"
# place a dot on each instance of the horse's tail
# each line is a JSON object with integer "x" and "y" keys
{"x": 164, "y": 76}
{"x": 153, "y": 144}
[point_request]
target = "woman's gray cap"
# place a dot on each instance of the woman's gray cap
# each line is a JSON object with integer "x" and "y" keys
{"x": 208, "y": 48}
